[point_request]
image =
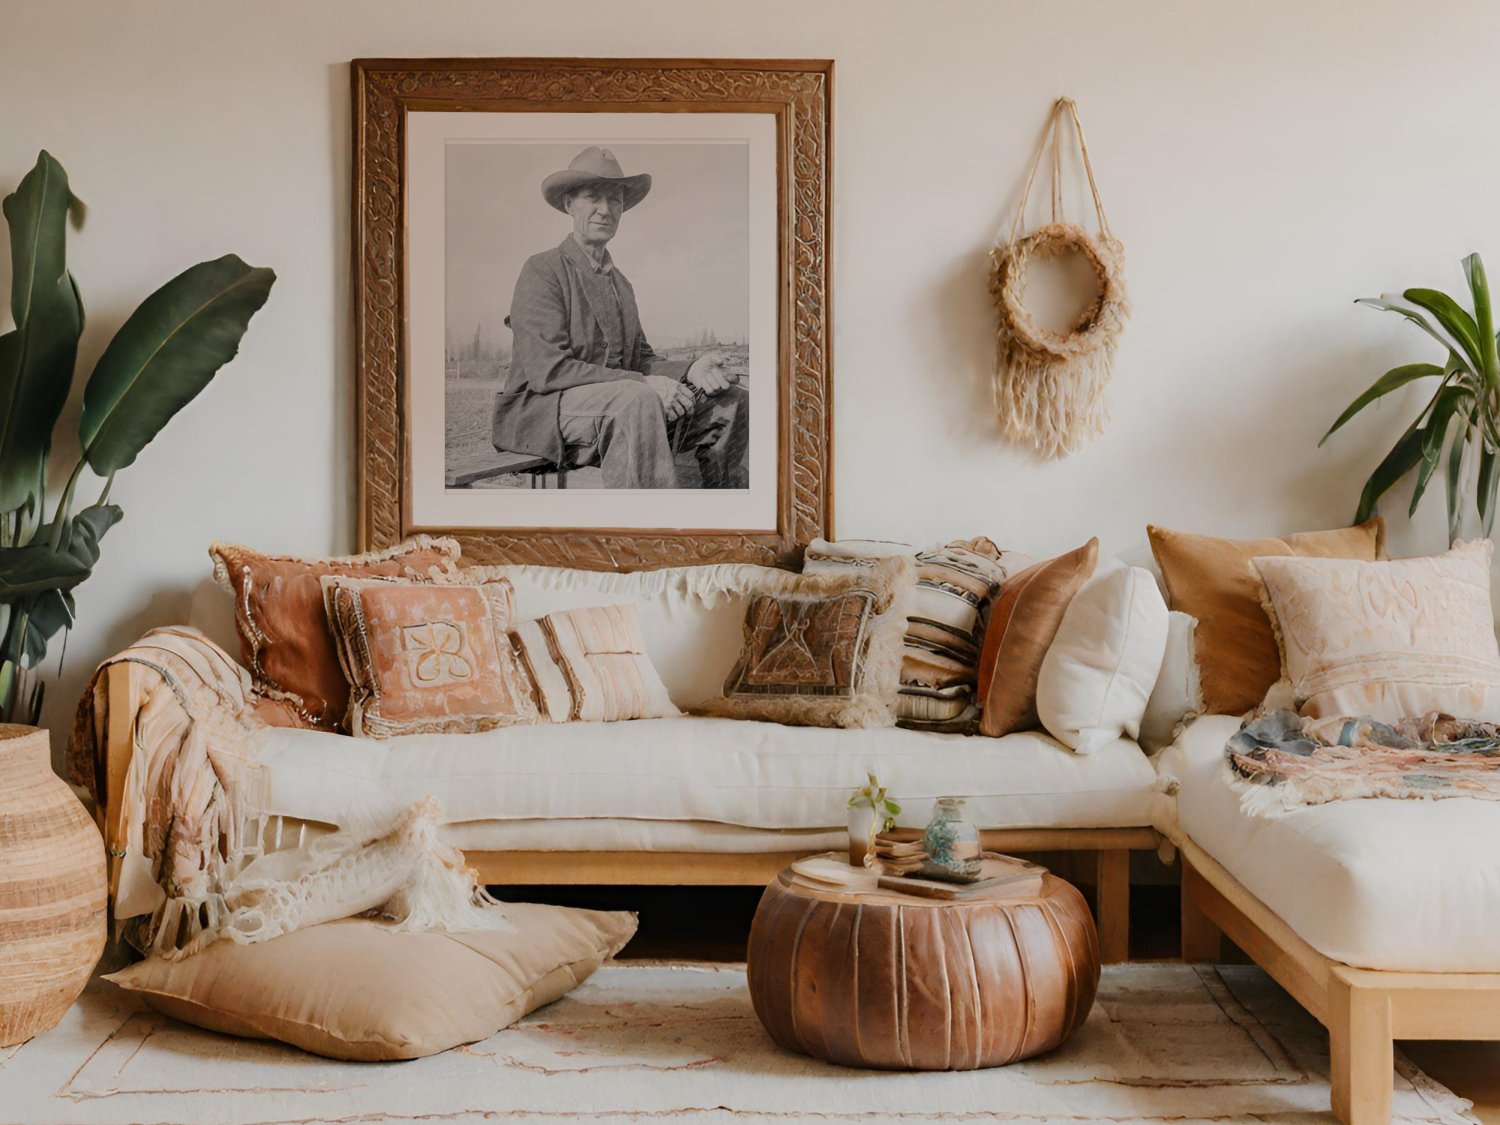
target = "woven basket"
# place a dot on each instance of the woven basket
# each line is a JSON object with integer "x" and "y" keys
{"x": 52, "y": 889}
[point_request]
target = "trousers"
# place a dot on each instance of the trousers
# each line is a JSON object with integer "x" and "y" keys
{"x": 622, "y": 427}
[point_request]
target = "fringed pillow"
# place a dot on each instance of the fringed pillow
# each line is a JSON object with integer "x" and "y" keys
{"x": 285, "y": 639}
{"x": 424, "y": 657}
{"x": 823, "y": 649}
{"x": 955, "y": 587}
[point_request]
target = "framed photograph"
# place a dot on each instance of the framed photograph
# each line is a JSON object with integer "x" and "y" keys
{"x": 592, "y": 307}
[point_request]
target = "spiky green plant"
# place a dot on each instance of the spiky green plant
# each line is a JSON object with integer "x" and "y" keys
{"x": 1457, "y": 426}
{"x": 163, "y": 355}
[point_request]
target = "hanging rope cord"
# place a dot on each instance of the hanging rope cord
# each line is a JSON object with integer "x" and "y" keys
{"x": 1049, "y": 386}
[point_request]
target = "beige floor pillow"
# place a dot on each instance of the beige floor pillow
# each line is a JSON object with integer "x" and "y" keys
{"x": 356, "y": 990}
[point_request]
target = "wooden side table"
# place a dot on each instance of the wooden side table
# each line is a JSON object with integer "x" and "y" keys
{"x": 881, "y": 979}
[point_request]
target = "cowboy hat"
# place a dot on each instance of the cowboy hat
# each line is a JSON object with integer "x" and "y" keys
{"x": 594, "y": 165}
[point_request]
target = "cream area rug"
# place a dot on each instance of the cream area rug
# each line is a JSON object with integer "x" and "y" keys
{"x": 648, "y": 1042}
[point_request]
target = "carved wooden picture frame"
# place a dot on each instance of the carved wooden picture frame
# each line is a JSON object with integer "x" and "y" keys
{"x": 391, "y": 101}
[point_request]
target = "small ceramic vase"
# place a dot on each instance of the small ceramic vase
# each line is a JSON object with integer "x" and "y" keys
{"x": 951, "y": 843}
{"x": 861, "y": 832}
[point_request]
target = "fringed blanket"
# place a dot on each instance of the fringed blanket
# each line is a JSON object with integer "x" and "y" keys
{"x": 1281, "y": 761}
{"x": 190, "y": 840}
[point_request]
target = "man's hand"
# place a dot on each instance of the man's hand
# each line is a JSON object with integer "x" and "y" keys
{"x": 676, "y": 398}
{"x": 710, "y": 372}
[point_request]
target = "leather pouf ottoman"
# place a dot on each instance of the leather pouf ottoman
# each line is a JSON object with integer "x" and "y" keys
{"x": 889, "y": 980}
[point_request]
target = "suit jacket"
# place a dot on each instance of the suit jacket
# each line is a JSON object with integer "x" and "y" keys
{"x": 567, "y": 335}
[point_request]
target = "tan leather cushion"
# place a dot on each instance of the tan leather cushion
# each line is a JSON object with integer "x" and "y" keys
{"x": 356, "y": 990}
{"x": 1022, "y": 624}
{"x": 278, "y": 611}
{"x": 1214, "y": 580}
{"x": 427, "y": 656}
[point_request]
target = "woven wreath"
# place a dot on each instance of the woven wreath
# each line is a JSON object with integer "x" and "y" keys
{"x": 1049, "y": 386}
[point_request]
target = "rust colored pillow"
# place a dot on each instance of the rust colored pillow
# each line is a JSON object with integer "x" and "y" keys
{"x": 1214, "y": 580}
{"x": 427, "y": 657}
{"x": 1023, "y": 622}
{"x": 284, "y": 635}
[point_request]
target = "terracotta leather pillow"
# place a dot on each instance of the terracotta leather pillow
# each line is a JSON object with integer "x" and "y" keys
{"x": 1214, "y": 580}
{"x": 285, "y": 640}
{"x": 357, "y": 990}
{"x": 1023, "y": 622}
{"x": 427, "y": 657}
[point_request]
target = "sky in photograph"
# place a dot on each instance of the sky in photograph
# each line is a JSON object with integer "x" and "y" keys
{"x": 685, "y": 247}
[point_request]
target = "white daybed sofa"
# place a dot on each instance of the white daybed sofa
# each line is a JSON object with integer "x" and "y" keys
{"x": 683, "y": 800}
{"x": 1380, "y": 916}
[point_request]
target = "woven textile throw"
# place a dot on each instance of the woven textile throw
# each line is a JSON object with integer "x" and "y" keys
{"x": 1281, "y": 761}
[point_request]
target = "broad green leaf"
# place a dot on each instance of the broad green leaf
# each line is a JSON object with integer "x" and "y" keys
{"x": 37, "y": 356}
{"x": 81, "y": 536}
{"x": 1402, "y": 458}
{"x": 1393, "y": 379}
{"x": 1448, "y": 402}
{"x": 35, "y": 568}
{"x": 164, "y": 355}
{"x": 1454, "y": 319}
{"x": 1488, "y": 480}
{"x": 1455, "y": 475}
{"x": 1484, "y": 316}
{"x": 1393, "y": 302}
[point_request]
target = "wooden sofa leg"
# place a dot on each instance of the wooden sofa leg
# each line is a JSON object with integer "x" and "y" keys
{"x": 1112, "y": 885}
{"x": 1202, "y": 941}
{"x": 1361, "y": 1052}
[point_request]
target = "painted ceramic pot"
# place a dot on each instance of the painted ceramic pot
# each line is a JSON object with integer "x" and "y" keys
{"x": 951, "y": 843}
{"x": 52, "y": 888}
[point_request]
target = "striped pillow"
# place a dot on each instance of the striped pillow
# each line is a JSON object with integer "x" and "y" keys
{"x": 590, "y": 665}
{"x": 956, "y": 583}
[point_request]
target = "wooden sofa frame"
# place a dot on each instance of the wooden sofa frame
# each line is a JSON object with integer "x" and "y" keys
{"x": 1364, "y": 1010}
{"x": 1111, "y": 846}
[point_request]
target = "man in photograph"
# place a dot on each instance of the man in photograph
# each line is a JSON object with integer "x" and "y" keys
{"x": 584, "y": 386}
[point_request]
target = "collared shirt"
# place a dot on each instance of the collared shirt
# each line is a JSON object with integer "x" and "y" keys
{"x": 605, "y": 267}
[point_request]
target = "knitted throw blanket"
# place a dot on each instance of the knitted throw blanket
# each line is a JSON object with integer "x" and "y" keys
{"x": 196, "y": 859}
{"x": 1280, "y": 761}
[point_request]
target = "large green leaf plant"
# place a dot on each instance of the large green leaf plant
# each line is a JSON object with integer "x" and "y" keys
{"x": 164, "y": 354}
{"x": 1457, "y": 427}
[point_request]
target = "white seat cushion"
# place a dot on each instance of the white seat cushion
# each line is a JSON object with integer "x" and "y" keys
{"x": 730, "y": 771}
{"x": 1377, "y": 883}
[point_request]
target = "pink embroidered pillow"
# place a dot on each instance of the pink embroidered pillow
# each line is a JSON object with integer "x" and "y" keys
{"x": 590, "y": 665}
{"x": 427, "y": 657}
{"x": 1390, "y": 640}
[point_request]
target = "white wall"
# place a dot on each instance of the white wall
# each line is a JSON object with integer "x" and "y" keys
{"x": 1264, "y": 164}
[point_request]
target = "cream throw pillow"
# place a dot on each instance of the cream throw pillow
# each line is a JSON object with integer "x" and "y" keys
{"x": 1098, "y": 673}
{"x": 356, "y": 990}
{"x": 590, "y": 666}
{"x": 1390, "y": 640}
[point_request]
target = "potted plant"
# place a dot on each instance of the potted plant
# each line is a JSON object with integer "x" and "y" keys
{"x": 162, "y": 356}
{"x": 1457, "y": 427}
{"x": 871, "y": 811}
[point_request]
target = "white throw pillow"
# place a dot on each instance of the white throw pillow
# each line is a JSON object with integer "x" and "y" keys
{"x": 1178, "y": 694}
{"x": 1099, "y": 672}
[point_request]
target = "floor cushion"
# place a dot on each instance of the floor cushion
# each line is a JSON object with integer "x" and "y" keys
{"x": 1376, "y": 883}
{"x": 357, "y": 990}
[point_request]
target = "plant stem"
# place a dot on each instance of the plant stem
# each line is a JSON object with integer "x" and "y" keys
{"x": 65, "y": 504}
{"x": 109, "y": 482}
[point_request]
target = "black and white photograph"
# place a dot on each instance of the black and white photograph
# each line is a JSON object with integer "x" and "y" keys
{"x": 597, "y": 315}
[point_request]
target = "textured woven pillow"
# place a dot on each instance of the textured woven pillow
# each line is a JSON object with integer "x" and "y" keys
{"x": 956, "y": 584}
{"x": 425, "y": 657}
{"x": 1390, "y": 640}
{"x": 590, "y": 665}
{"x": 1214, "y": 581}
{"x": 824, "y": 649}
{"x": 1100, "y": 668}
{"x": 285, "y": 640}
{"x": 355, "y": 990}
{"x": 1025, "y": 619}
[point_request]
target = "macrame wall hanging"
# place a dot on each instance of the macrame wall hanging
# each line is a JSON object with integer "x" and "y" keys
{"x": 1049, "y": 386}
